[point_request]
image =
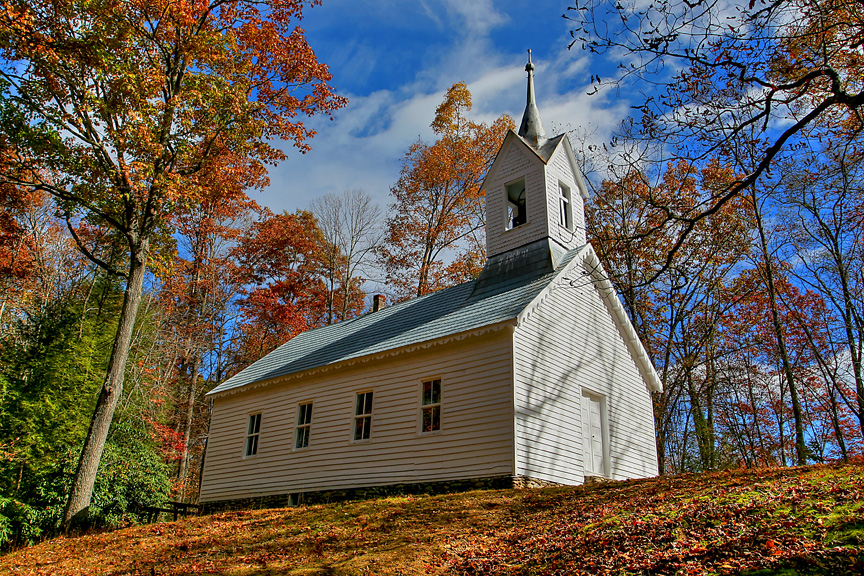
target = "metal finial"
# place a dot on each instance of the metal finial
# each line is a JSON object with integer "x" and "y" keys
{"x": 531, "y": 128}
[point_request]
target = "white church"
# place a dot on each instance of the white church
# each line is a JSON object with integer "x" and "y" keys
{"x": 532, "y": 374}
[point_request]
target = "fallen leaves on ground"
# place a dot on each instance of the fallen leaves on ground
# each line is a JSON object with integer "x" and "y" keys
{"x": 805, "y": 520}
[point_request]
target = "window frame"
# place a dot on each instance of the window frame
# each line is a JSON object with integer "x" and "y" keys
{"x": 565, "y": 206}
{"x": 304, "y": 426}
{"x": 364, "y": 416}
{"x": 252, "y": 439}
{"x": 510, "y": 206}
{"x": 423, "y": 407}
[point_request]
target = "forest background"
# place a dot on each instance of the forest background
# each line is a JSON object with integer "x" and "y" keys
{"x": 727, "y": 209}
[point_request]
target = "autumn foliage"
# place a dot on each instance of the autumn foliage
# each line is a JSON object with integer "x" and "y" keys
{"x": 128, "y": 114}
{"x": 733, "y": 396}
{"x": 283, "y": 292}
{"x": 136, "y": 274}
{"x": 437, "y": 212}
{"x": 774, "y": 72}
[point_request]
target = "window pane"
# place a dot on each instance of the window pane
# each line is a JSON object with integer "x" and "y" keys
{"x": 431, "y": 419}
{"x": 362, "y": 416}
{"x": 304, "y": 415}
{"x": 251, "y": 445}
{"x": 364, "y": 403}
{"x": 302, "y": 438}
{"x": 431, "y": 392}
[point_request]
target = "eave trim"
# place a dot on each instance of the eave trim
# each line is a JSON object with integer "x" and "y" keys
{"x": 368, "y": 358}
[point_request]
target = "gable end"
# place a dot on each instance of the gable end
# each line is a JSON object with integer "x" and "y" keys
{"x": 592, "y": 266}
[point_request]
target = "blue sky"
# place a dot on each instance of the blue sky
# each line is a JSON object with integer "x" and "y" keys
{"x": 394, "y": 59}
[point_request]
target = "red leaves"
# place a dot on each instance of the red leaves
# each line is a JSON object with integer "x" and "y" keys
{"x": 285, "y": 295}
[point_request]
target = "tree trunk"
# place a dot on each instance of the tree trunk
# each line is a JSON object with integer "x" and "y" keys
{"x": 187, "y": 428}
{"x": 854, "y": 344}
{"x": 800, "y": 444}
{"x": 112, "y": 389}
{"x": 830, "y": 378}
{"x": 658, "y": 408}
{"x": 710, "y": 386}
{"x": 204, "y": 452}
{"x": 763, "y": 453}
{"x": 702, "y": 426}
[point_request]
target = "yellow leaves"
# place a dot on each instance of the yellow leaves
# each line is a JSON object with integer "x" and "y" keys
{"x": 450, "y": 113}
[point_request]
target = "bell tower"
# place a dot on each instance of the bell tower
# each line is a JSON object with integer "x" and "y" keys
{"x": 534, "y": 196}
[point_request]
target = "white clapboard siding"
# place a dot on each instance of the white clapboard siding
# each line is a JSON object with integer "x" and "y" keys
{"x": 516, "y": 161}
{"x": 569, "y": 344}
{"x": 475, "y": 440}
{"x": 559, "y": 171}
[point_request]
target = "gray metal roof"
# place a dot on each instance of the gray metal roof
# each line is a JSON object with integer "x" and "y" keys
{"x": 500, "y": 294}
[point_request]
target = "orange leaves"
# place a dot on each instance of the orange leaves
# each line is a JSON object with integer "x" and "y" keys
{"x": 151, "y": 93}
{"x": 450, "y": 114}
{"x": 437, "y": 214}
{"x": 722, "y": 523}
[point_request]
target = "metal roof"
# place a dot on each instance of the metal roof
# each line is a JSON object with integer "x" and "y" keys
{"x": 500, "y": 294}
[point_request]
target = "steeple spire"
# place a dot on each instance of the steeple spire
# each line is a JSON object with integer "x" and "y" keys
{"x": 531, "y": 128}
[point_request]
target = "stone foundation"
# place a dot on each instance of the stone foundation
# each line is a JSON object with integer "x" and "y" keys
{"x": 528, "y": 482}
{"x": 596, "y": 480}
{"x": 326, "y": 496}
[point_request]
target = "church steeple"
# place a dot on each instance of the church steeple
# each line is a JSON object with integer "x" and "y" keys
{"x": 531, "y": 128}
{"x": 534, "y": 200}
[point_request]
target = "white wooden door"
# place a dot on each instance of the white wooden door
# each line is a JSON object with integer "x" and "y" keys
{"x": 593, "y": 438}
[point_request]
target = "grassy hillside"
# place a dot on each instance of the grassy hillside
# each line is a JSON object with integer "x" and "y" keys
{"x": 781, "y": 521}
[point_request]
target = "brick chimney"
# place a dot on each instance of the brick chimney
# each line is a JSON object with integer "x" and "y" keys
{"x": 378, "y": 302}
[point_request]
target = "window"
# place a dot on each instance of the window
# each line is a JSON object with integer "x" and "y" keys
{"x": 516, "y": 214}
{"x": 363, "y": 416}
{"x": 304, "y": 423}
{"x": 252, "y": 434}
{"x": 564, "y": 210}
{"x": 430, "y": 406}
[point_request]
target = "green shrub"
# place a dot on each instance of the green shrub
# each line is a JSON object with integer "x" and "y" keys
{"x": 18, "y": 522}
{"x": 131, "y": 475}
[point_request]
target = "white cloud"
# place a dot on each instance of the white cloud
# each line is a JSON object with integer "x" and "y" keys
{"x": 364, "y": 145}
{"x": 479, "y": 16}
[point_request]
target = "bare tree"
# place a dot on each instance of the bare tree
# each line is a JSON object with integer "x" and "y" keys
{"x": 351, "y": 226}
{"x": 826, "y": 225}
{"x": 780, "y": 67}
